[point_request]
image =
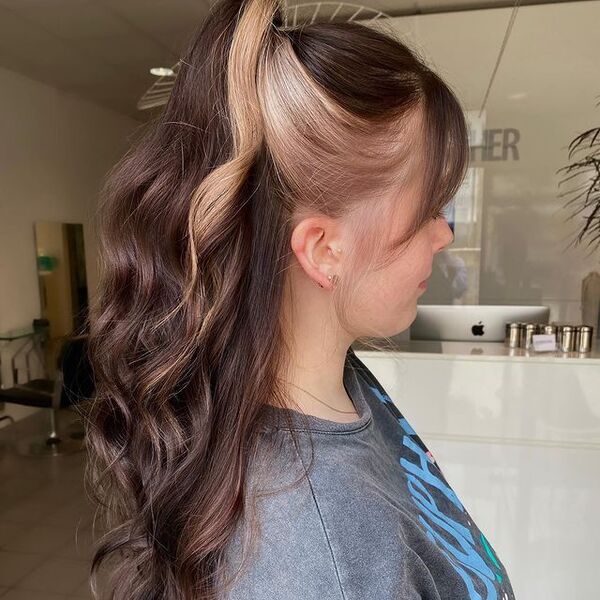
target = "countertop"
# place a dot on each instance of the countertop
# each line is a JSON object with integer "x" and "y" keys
{"x": 488, "y": 351}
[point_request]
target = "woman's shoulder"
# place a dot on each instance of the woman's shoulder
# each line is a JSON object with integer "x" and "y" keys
{"x": 320, "y": 542}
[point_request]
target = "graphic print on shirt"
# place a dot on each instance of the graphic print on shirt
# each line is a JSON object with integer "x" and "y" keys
{"x": 425, "y": 479}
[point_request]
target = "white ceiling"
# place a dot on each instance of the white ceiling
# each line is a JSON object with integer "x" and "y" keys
{"x": 102, "y": 50}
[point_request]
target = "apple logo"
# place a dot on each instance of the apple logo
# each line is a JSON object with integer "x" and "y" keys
{"x": 477, "y": 329}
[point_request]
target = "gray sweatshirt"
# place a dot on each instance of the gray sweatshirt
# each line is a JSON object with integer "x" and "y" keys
{"x": 375, "y": 519}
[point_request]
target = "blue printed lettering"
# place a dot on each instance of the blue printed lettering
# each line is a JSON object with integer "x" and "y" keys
{"x": 425, "y": 474}
{"x": 464, "y": 553}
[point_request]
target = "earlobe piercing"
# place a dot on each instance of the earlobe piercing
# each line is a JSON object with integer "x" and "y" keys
{"x": 332, "y": 278}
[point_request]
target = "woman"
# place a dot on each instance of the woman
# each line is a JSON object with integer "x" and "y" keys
{"x": 285, "y": 204}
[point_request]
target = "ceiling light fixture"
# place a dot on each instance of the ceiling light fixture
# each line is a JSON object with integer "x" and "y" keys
{"x": 162, "y": 71}
{"x": 292, "y": 16}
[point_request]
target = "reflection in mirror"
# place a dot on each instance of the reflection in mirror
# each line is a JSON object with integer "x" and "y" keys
{"x": 62, "y": 282}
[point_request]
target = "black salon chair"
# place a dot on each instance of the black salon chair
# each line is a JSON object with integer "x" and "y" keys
{"x": 72, "y": 385}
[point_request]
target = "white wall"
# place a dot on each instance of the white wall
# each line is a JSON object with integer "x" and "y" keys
{"x": 553, "y": 56}
{"x": 55, "y": 149}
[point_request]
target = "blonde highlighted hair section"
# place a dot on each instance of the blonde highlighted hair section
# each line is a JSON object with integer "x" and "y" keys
{"x": 263, "y": 127}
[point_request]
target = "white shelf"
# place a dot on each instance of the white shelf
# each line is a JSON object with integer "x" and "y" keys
{"x": 486, "y": 351}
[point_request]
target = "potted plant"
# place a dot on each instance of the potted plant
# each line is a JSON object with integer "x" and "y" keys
{"x": 585, "y": 152}
{"x": 587, "y": 162}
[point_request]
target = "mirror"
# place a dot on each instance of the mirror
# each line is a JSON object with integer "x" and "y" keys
{"x": 62, "y": 280}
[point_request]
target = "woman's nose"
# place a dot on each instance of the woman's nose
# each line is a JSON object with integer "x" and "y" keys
{"x": 444, "y": 235}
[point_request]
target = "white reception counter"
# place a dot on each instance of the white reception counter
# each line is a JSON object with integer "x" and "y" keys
{"x": 517, "y": 434}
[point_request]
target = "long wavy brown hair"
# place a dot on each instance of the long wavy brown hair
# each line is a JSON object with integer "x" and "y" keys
{"x": 265, "y": 125}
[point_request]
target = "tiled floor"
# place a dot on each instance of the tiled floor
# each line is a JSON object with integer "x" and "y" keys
{"x": 45, "y": 519}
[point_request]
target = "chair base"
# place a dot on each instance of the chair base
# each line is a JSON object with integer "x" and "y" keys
{"x": 44, "y": 445}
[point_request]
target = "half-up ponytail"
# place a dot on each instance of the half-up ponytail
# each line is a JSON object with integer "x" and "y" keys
{"x": 187, "y": 337}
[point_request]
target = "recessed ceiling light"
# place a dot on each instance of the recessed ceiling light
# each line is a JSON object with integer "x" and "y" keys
{"x": 162, "y": 71}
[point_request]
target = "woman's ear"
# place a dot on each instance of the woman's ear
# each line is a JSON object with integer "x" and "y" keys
{"x": 317, "y": 250}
